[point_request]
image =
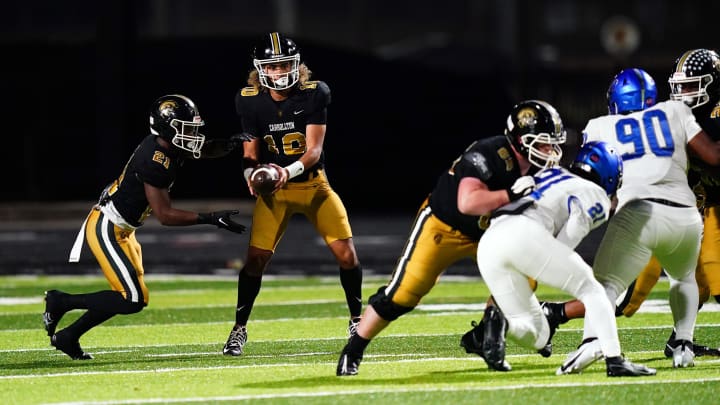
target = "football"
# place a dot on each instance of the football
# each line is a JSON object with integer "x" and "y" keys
{"x": 263, "y": 179}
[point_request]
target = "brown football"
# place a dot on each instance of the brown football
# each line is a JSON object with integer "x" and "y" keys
{"x": 264, "y": 179}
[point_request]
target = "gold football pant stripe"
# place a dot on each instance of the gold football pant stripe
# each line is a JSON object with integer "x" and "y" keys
{"x": 119, "y": 255}
{"x": 431, "y": 248}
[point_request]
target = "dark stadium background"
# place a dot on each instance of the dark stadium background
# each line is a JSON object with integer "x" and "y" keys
{"x": 413, "y": 83}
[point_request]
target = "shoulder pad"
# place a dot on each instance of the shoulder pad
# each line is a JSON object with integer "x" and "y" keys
{"x": 476, "y": 160}
{"x": 249, "y": 91}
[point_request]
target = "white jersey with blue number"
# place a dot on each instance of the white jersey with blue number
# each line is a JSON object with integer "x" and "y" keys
{"x": 568, "y": 206}
{"x": 653, "y": 145}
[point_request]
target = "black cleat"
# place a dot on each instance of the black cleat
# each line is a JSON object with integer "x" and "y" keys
{"x": 619, "y": 367}
{"x": 472, "y": 340}
{"x": 493, "y": 346}
{"x": 348, "y": 364}
{"x": 69, "y": 345}
{"x": 553, "y": 314}
{"x": 53, "y": 311}
{"x": 236, "y": 341}
{"x": 699, "y": 350}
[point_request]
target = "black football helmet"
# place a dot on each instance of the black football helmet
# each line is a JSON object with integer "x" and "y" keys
{"x": 696, "y": 78}
{"x": 275, "y": 48}
{"x": 176, "y": 119}
{"x": 533, "y": 124}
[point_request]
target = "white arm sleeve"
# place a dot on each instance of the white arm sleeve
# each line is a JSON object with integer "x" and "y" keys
{"x": 578, "y": 225}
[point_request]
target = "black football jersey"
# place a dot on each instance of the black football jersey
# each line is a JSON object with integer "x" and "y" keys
{"x": 280, "y": 125}
{"x": 150, "y": 163}
{"x": 490, "y": 160}
{"x": 710, "y": 123}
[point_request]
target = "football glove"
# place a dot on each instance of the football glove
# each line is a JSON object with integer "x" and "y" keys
{"x": 522, "y": 187}
{"x": 222, "y": 219}
{"x": 236, "y": 141}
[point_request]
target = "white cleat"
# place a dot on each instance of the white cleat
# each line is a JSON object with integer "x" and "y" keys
{"x": 682, "y": 353}
{"x": 586, "y": 354}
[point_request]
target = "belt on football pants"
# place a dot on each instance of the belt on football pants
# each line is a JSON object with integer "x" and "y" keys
{"x": 667, "y": 202}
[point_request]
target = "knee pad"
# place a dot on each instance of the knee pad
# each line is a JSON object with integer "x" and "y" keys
{"x": 384, "y": 306}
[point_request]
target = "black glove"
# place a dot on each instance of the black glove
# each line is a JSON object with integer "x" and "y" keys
{"x": 221, "y": 219}
{"x": 522, "y": 187}
{"x": 236, "y": 141}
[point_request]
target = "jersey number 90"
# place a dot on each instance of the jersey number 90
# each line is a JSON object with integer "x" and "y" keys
{"x": 654, "y": 125}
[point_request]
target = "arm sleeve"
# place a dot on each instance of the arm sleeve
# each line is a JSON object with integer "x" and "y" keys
{"x": 578, "y": 225}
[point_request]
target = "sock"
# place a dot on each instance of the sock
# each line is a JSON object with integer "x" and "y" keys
{"x": 357, "y": 345}
{"x": 87, "y": 321}
{"x": 248, "y": 289}
{"x": 104, "y": 301}
{"x": 351, "y": 280}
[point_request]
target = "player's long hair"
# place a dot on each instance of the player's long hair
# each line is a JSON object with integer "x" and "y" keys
{"x": 254, "y": 81}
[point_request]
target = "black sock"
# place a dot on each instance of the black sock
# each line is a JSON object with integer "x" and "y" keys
{"x": 357, "y": 344}
{"x": 351, "y": 280}
{"x": 87, "y": 321}
{"x": 248, "y": 289}
{"x": 104, "y": 301}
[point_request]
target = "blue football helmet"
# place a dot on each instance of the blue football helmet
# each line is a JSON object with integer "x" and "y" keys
{"x": 631, "y": 90}
{"x": 598, "y": 162}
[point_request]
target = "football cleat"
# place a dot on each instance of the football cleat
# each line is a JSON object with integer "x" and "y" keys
{"x": 699, "y": 350}
{"x": 552, "y": 312}
{"x": 348, "y": 364}
{"x": 619, "y": 367}
{"x": 586, "y": 354}
{"x": 69, "y": 345}
{"x": 493, "y": 346}
{"x": 353, "y": 326}
{"x": 53, "y": 313}
{"x": 472, "y": 340}
{"x": 682, "y": 353}
{"x": 236, "y": 341}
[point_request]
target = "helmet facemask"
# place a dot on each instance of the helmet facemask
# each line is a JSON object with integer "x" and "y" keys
{"x": 278, "y": 81}
{"x": 187, "y": 136}
{"x": 690, "y": 90}
{"x": 543, "y": 149}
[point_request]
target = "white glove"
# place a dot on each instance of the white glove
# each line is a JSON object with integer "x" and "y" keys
{"x": 522, "y": 187}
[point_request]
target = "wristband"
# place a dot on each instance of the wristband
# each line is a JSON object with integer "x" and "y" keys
{"x": 246, "y": 173}
{"x": 295, "y": 169}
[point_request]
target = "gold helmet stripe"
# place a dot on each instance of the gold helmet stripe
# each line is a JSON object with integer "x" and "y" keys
{"x": 275, "y": 39}
{"x": 683, "y": 58}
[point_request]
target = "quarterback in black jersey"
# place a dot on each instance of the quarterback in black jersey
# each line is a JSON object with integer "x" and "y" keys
{"x": 287, "y": 115}
{"x": 142, "y": 188}
{"x": 490, "y": 173}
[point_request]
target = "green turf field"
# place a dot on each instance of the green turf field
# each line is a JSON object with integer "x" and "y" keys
{"x": 170, "y": 352}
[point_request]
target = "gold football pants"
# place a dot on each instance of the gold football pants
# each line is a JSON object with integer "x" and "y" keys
{"x": 313, "y": 198}
{"x": 119, "y": 255}
{"x": 431, "y": 248}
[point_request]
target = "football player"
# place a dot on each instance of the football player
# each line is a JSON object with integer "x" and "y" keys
{"x": 287, "y": 115}
{"x": 489, "y": 173}
{"x": 656, "y": 214}
{"x": 142, "y": 188}
{"x": 546, "y": 226}
{"x": 695, "y": 80}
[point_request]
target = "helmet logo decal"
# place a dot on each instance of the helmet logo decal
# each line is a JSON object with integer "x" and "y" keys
{"x": 167, "y": 107}
{"x": 527, "y": 117}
